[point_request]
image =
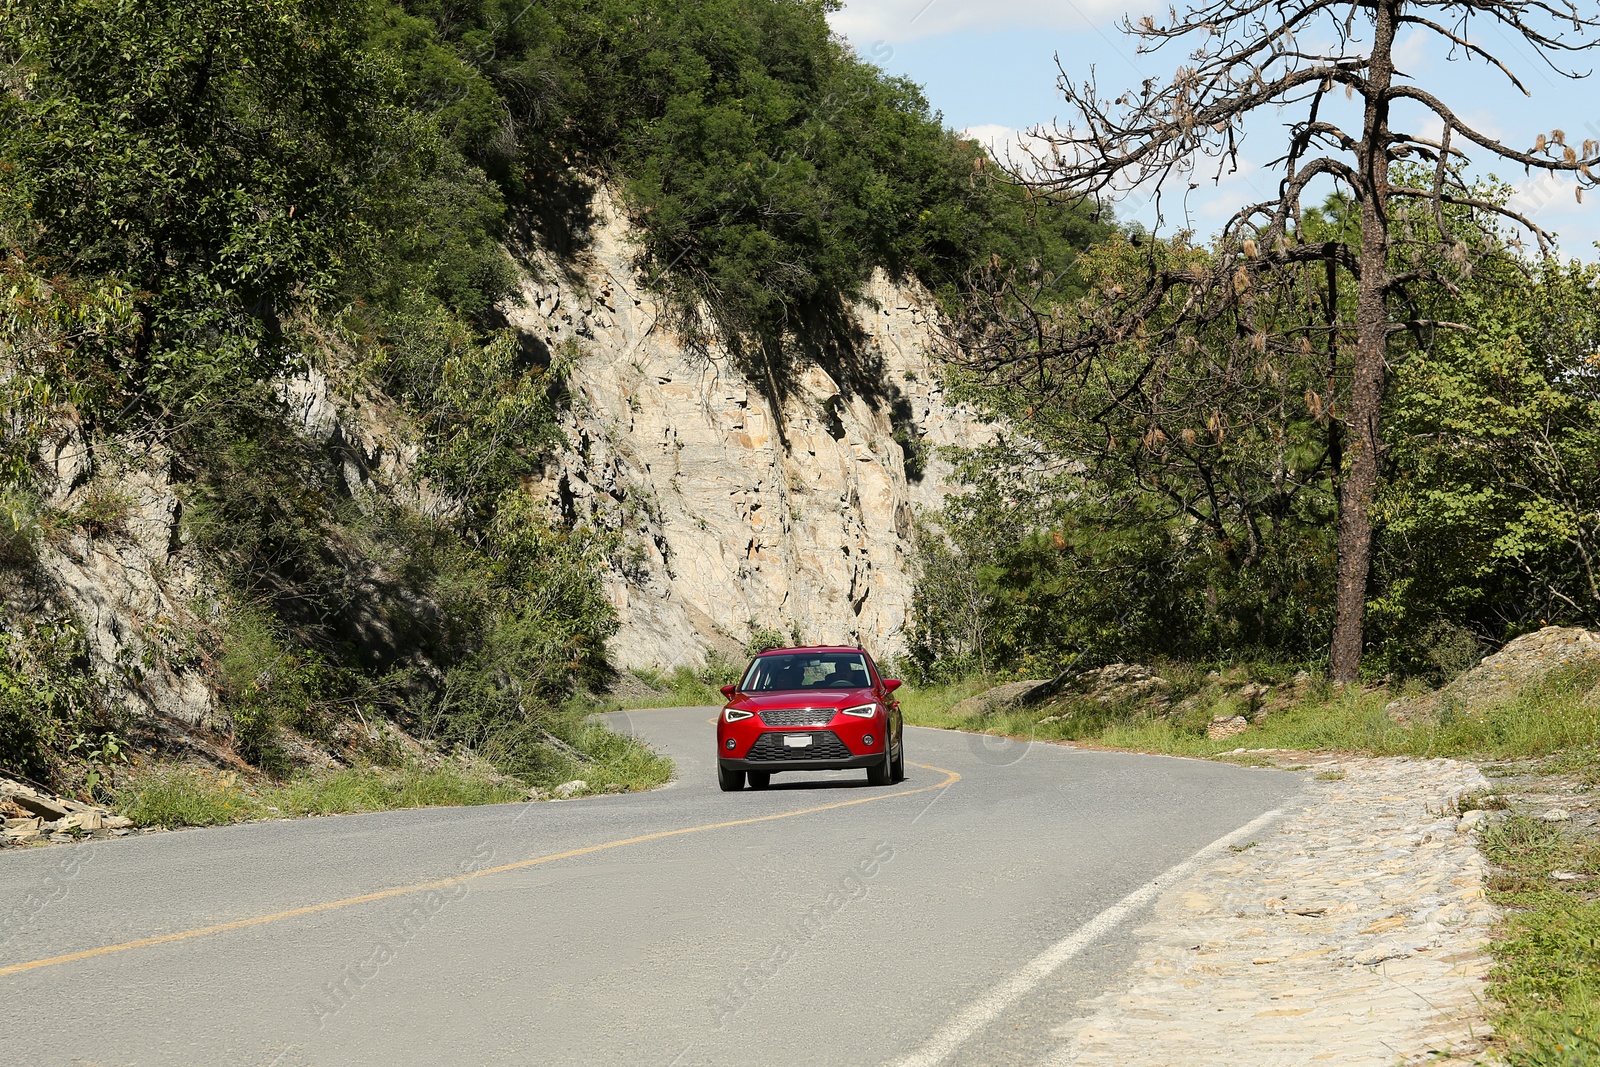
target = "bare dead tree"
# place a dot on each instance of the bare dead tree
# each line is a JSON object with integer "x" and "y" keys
{"x": 1249, "y": 56}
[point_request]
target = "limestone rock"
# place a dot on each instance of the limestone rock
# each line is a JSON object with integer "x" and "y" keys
{"x": 44, "y": 807}
{"x": 1523, "y": 662}
{"x": 998, "y": 698}
{"x": 82, "y": 820}
{"x": 132, "y": 589}
{"x": 739, "y": 510}
{"x": 572, "y": 788}
{"x": 1227, "y": 727}
{"x": 1119, "y": 683}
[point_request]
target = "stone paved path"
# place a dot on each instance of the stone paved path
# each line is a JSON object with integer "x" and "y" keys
{"x": 1353, "y": 934}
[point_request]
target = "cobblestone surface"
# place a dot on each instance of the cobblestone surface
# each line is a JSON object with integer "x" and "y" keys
{"x": 1353, "y": 933}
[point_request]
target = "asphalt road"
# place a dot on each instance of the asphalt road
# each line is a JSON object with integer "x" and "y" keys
{"x": 957, "y": 917}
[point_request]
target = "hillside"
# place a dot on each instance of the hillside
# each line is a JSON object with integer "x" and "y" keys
{"x": 380, "y": 376}
{"x": 735, "y": 512}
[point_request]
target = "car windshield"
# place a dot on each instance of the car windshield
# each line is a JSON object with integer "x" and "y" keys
{"x": 806, "y": 670}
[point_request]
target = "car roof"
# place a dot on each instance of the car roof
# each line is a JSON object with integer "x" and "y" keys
{"x": 813, "y": 648}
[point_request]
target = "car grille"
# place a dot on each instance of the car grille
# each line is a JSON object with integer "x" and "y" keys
{"x": 798, "y": 716}
{"x": 824, "y": 746}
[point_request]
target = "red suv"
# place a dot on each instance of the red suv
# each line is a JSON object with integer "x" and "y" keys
{"x": 809, "y": 709}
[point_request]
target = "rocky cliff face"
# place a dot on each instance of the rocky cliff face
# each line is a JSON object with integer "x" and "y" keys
{"x": 127, "y": 573}
{"x": 739, "y": 512}
{"x": 734, "y": 512}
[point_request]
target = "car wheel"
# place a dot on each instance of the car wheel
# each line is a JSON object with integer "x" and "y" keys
{"x": 897, "y": 767}
{"x": 730, "y": 781}
{"x": 881, "y": 773}
{"x": 759, "y": 779}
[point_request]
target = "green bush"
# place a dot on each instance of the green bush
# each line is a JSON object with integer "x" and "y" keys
{"x": 764, "y": 638}
{"x": 266, "y": 684}
{"x": 47, "y": 695}
{"x": 720, "y": 670}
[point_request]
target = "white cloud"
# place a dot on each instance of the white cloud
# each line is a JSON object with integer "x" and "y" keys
{"x": 867, "y": 21}
{"x": 1412, "y": 52}
{"x": 1017, "y": 150}
{"x": 1552, "y": 203}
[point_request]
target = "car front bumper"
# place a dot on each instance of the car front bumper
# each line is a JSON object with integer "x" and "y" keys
{"x": 871, "y": 759}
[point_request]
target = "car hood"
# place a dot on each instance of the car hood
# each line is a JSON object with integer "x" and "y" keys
{"x": 802, "y": 698}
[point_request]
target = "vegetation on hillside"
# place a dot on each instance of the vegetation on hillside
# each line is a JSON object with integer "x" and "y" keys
{"x": 1190, "y": 509}
{"x": 200, "y": 197}
{"x": 1263, "y": 417}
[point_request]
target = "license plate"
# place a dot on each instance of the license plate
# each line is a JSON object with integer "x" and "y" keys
{"x": 796, "y": 740}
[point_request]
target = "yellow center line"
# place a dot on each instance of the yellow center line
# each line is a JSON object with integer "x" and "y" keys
{"x": 445, "y": 883}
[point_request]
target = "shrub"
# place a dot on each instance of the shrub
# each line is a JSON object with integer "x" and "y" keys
{"x": 47, "y": 695}
{"x": 763, "y": 638}
{"x": 265, "y": 684}
{"x": 103, "y": 511}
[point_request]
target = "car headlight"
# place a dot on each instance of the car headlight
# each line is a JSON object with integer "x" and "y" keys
{"x": 862, "y": 711}
{"x": 733, "y": 715}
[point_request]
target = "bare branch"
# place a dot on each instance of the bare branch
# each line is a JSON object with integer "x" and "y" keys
{"x": 1461, "y": 42}
{"x": 1546, "y": 240}
{"x": 1581, "y": 167}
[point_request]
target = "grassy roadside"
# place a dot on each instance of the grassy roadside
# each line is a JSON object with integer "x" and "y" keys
{"x": 194, "y": 797}
{"x": 606, "y": 761}
{"x": 1548, "y": 719}
{"x": 1546, "y": 984}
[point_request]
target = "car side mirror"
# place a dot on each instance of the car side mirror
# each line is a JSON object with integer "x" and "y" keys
{"x": 729, "y": 690}
{"x": 891, "y": 684}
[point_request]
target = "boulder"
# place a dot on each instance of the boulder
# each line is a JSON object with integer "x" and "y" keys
{"x": 45, "y": 807}
{"x": 1227, "y": 727}
{"x": 1001, "y": 697}
{"x": 1523, "y": 662}
{"x": 572, "y": 788}
{"x": 1120, "y": 683}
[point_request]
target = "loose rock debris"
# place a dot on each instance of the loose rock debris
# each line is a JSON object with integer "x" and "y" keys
{"x": 32, "y": 816}
{"x": 1354, "y": 934}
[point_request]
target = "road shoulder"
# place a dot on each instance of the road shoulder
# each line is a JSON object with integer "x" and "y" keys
{"x": 1353, "y": 932}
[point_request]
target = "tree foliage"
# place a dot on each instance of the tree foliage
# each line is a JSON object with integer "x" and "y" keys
{"x": 202, "y": 198}
{"x": 1250, "y": 55}
{"x": 1489, "y": 518}
{"x": 1199, "y": 517}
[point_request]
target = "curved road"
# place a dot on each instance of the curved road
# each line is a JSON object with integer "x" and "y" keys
{"x": 958, "y": 917}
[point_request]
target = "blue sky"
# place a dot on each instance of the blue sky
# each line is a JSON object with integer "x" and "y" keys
{"x": 989, "y": 66}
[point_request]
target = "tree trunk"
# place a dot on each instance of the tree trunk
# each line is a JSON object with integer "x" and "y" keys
{"x": 1364, "y": 420}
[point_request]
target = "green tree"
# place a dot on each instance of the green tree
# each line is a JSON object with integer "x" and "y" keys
{"x": 206, "y": 154}
{"x": 1248, "y": 56}
{"x": 1490, "y": 515}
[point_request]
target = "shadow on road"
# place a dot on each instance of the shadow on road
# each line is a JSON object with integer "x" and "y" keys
{"x": 779, "y": 785}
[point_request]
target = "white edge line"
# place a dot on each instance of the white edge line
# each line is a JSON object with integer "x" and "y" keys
{"x": 986, "y": 1009}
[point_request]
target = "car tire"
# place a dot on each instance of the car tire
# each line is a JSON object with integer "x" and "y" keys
{"x": 897, "y": 766}
{"x": 759, "y": 779}
{"x": 730, "y": 781}
{"x": 881, "y": 773}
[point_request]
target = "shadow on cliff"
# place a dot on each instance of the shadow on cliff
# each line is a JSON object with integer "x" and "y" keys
{"x": 828, "y": 335}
